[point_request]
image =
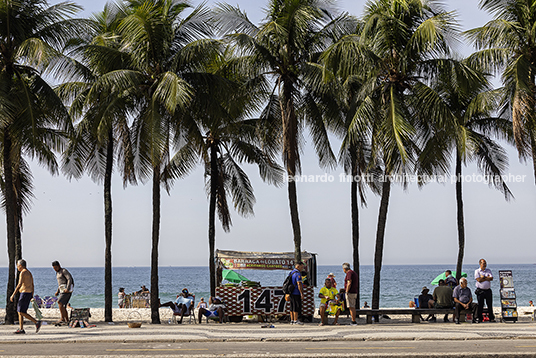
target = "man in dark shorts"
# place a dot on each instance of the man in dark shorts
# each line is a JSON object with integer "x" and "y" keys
{"x": 296, "y": 296}
{"x": 26, "y": 289}
{"x": 65, "y": 290}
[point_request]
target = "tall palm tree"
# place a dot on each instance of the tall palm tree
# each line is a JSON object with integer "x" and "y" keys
{"x": 102, "y": 133}
{"x": 464, "y": 96}
{"x": 165, "y": 52}
{"x": 220, "y": 109}
{"x": 285, "y": 47}
{"x": 32, "y": 35}
{"x": 399, "y": 39}
{"x": 506, "y": 45}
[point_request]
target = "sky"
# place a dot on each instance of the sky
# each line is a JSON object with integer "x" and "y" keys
{"x": 66, "y": 221}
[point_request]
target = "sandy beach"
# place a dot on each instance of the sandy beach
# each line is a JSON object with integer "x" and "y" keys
{"x": 124, "y": 315}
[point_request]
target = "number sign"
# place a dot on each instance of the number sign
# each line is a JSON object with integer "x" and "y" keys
{"x": 261, "y": 300}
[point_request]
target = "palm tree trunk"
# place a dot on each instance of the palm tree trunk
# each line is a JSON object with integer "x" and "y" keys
{"x": 291, "y": 159}
{"x": 355, "y": 224}
{"x": 461, "y": 227}
{"x": 212, "y": 217}
{"x": 108, "y": 295}
{"x": 533, "y": 147}
{"x": 294, "y": 217}
{"x": 380, "y": 235}
{"x": 155, "y": 315}
{"x": 11, "y": 211}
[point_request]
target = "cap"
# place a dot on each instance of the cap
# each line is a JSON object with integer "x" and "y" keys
{"x": 331, "y": 274}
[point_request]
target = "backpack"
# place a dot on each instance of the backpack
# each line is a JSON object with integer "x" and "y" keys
{"x": 288, "y": 286}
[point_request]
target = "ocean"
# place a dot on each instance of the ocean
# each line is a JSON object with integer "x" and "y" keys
{"x": 399, "y": 283}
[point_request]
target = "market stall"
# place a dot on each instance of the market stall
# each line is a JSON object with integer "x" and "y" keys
{"x": 252, "y": 298}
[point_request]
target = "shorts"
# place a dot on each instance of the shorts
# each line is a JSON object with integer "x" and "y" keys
{"x": 351, "y": 300}
{"x": 64, "y": 298}
{"x": 295, "y": 303}
{"x": 24, "y": 302}
{"x": 210, "y": 314}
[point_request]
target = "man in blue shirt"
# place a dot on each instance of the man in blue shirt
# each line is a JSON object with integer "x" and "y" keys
{"x": 183, "y": 304}
{"x": 297, "y": 294}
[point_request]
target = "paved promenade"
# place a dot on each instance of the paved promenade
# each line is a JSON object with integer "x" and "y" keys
{"x": 386, "y": 332}
{"x": 213, "y": 332}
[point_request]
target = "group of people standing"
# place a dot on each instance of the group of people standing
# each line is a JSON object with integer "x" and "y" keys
{"x": 451, "y": 294}
{"x": 332, "y": 301}
{"x": 25, "y": 289}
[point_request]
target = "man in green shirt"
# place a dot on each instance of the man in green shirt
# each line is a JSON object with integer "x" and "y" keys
{"x": 443, "y": 297}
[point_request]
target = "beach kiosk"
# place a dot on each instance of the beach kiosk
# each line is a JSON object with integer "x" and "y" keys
{"x": 255, "y": 299}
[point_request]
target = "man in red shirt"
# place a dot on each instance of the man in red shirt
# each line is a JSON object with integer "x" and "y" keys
{"x": 351, "y": 284}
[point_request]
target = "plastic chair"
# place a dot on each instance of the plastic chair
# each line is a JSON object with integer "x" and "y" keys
{"x": 39, "y": 301}
{"x": 49, "y": 301}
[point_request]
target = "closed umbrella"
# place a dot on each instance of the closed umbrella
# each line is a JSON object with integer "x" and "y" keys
{"x": 442, "y": 277}
{"x": 38, "y": 314}
{"x": 233, "y": 276}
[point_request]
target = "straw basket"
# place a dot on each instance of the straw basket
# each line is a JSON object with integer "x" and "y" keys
{"x": 132, "y": 322}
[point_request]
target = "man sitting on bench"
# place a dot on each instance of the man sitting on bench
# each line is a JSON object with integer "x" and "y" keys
{"x": 463, "y": 297}
{"x": 442, "y": 298}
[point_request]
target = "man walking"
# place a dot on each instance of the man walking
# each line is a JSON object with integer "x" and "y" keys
{"x": 65, "y": 290}
{"x": 26, "y": 289}
{"x": 483, "y": 277}
{"x": 351, "y": 283}
{"x": 296, "y": 296}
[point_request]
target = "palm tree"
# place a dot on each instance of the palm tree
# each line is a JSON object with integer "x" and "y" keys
{"x": 219, "y": 110}
{"x": 506, "y": 44}
{"x": 102, "y": 134}
{"x": 340, "y": 89}
{"x": 33, "y": 117}
{"x": 165, "y": 53}
{"x": 399, "y": 39}
{"x": 465, "y": 97}
{"x": 285, "y": 48}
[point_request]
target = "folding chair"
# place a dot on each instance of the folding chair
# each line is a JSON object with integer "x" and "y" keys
{"x": 190, "y": 313}
{"x": 39, "y": 301}
{"x": 49, "y": 301}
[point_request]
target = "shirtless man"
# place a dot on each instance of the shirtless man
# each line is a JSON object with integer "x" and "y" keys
{"x": 26, "y": 289}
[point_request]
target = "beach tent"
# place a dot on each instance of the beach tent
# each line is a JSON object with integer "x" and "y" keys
{"x": 233, "y": 276}
{"x": 442, "y": 277}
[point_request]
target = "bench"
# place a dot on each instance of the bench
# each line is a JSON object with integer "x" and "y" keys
{"x": 414, "y": 312}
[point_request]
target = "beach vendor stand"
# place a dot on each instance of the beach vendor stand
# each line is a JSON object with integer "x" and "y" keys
{"x": 254, "y": 299}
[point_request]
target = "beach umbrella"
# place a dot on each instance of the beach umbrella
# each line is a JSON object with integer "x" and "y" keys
{"x": 233, "y": 276}
{"x": 442, "y": 277}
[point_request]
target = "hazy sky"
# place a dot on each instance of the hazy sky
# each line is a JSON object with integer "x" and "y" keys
{"x": 66, "y": 221}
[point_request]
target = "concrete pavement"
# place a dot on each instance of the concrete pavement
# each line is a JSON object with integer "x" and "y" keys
{"x": 386, "y": 330}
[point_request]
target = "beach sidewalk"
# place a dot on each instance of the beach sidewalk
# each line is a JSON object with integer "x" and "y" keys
{"x": 396, "y": 329}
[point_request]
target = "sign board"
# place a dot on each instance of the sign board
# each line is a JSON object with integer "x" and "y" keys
{"x": 508, "y": 296}
{"x": 266, "y": 301}
{"x": 258, "y": 263}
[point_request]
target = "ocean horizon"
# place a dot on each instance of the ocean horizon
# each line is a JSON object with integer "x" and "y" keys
{"x": 399, "y": 283}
